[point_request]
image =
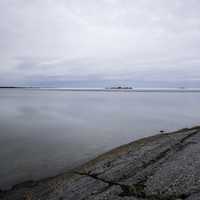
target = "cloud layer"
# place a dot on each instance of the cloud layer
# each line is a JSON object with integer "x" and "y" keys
{"x": 92, "y": 40}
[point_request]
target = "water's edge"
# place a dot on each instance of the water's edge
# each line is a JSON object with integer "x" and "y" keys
{"x": 116, "y": 152}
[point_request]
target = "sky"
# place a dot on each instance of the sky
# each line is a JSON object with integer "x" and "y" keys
{"x": 97, "y": 43}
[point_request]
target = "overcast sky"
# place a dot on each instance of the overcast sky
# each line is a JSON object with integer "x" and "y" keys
{"x": 52, "y": 41}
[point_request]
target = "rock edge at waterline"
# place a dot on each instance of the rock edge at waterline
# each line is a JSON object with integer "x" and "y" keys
{"x": 164, "y": 166}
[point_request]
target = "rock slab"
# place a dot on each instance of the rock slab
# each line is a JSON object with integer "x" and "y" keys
{"x": 164, "y": 166}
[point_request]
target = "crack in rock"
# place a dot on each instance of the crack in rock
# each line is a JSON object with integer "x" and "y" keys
{"x": 138, "y": 178}
{"x": 136, "y": 190}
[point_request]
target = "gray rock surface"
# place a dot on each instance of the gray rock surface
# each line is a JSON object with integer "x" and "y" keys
{"x": 165, "y": 166}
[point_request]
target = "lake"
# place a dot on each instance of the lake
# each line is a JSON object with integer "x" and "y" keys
{"x": 46, "y": 132}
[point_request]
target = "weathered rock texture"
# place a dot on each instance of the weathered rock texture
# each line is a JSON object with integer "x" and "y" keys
{"x": 165, "y": 166}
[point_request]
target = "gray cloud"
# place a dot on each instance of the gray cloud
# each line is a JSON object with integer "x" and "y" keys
{"x": 99, "y": 40}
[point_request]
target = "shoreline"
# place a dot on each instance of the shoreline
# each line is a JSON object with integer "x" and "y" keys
{"x": 101, "y": 173}
{"x": 114, "y": 152}
{"x": 178, "y": 90}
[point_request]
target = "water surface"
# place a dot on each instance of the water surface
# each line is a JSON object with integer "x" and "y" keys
{"x": 43, "y": 133}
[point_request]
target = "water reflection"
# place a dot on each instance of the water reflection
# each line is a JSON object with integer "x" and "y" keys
{"x": 46, "y": 132}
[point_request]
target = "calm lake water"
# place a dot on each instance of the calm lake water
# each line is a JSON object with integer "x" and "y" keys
{"x": 43, "y": 133}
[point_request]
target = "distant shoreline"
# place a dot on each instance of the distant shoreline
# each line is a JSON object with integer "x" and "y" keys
{"x": 108, "y": 90}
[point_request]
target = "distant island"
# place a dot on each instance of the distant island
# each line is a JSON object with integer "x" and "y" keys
{"x": 120, "y": 88}
{"x": 17, "y": 87}
{"x": 8, "y": 87}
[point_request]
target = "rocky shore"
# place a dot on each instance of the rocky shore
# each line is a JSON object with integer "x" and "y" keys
{"x": 164, "y": 166}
